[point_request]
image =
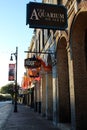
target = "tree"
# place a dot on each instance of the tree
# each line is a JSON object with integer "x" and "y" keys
{"x": 7, "y": 89}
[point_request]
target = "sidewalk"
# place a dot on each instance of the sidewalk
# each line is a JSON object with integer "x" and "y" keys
{"x": 27, "y": 119}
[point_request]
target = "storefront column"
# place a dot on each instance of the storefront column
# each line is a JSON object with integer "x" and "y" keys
{"x": 55, "y": 95}
{"x": 35, "y": 98}
{"x": 72, "y": 94}
{"x": 46, "y": 95}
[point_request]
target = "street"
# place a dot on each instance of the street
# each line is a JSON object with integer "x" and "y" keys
{"x": 4, "y": 103}
{"x": 5, "y": 108}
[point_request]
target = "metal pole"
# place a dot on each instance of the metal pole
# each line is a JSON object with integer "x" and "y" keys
{"x": 16, "y": 91}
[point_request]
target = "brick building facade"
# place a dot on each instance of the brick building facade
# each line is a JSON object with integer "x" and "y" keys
{"x": 61, "y": 93}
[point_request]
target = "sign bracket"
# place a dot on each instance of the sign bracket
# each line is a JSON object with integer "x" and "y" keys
{"x": 40, "y": 52}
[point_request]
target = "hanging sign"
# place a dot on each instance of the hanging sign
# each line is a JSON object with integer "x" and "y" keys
{"x": 48, "y": 16}
{"x": 32, "y": 63}
{"x": 11, "y": 73}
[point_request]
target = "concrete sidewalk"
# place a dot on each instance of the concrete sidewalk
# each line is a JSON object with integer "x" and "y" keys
{"x": 27, "y": 119}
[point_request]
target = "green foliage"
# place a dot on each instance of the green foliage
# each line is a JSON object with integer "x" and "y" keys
{"x": 7, "y": 92}
{"x": 5, "y": 97}
{"x": 7, "y": 89}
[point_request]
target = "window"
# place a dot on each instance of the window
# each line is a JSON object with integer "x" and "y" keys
{"x": 78, "y": 1}
{"x": 39, "y": 41}
{"x": 42, "y": 38}
{"x": 86, "y": 46}
{"x": 48, "y": 32}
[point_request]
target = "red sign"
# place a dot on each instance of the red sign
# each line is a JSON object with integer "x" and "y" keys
{"x": 11, "y": 74}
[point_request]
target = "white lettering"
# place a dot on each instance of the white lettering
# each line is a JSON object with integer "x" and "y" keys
{"x": 34, "y": 15}
{"x": 38, "y": 14}
{"x": 29, "y": 63}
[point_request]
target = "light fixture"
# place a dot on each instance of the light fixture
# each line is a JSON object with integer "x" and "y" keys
{"x": 11, "y": 59}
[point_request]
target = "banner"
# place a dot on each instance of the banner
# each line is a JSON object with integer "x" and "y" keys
{"x": 11, "y": 73}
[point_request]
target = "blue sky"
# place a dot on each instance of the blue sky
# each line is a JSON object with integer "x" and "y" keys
{"x": 13, "y": 32}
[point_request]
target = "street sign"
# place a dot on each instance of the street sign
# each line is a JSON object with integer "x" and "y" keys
{"x": 32, "y": 63}
{"x": 47, "y": 16}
